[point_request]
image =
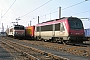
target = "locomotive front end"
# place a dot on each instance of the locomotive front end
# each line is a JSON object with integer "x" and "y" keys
{"x": 19, "y": 31}
{"x": 76, "y": 30}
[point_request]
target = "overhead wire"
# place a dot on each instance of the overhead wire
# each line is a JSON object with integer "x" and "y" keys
{"x": 82, "y": 12}
{"x": 66, "y": 7}
{"x": 8, "y": 9}
{"x": 75, "y": 4}
{"x": 36, "y": 8}
{"x": 53, "y": 11}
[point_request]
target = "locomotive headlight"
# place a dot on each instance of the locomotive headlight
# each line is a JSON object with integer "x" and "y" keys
{"x": 22, "y": 33}
{"x": 82, "y": 33}
{"x": 70, "y": 33}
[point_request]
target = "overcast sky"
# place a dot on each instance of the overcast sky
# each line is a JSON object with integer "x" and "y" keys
{"x": 28, "y": 10}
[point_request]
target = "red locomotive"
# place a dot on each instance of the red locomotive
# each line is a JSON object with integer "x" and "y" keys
{"x": 17, "y": 31}
{"x": 64, "y": 30}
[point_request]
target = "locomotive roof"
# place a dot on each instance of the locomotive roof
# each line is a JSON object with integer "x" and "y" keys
{"x": 51, "y": 20}
{"x": 15, "y": 26}
{"x": 58, "y": 19}
{"x": 55, "y": 21}
{"x": 18, "y": 25}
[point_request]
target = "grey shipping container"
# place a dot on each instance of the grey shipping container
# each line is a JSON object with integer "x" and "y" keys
{"x": 87, "y": 32}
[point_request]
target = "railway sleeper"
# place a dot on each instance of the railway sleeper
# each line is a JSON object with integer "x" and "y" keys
{"x": 39, "y": 51}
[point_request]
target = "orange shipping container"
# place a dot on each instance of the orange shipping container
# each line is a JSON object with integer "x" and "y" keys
{"x": 30, "y": 30}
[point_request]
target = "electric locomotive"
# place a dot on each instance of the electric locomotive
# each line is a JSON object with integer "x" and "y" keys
{"x": 64, "y": 30}
{"x": 17, "y": 31}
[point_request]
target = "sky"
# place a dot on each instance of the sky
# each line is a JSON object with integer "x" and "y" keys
{"x": 29, "y": 10}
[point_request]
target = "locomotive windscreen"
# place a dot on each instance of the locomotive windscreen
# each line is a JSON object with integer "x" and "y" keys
{"x": 19, "y": 27}
{"x": 75, "y": 23}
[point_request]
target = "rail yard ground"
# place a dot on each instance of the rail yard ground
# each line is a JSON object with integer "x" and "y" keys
{"x": 44, "y": 50}
{"x": 4, "y": 55}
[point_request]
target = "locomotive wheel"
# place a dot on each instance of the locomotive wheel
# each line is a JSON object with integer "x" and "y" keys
{"x": 64, "y": 42}
{"x": 45, "y": 40}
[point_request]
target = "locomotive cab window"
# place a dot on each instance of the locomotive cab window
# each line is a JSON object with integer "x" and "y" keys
{"x": 75, "y": 23}
{"x": 19, "y": 27}
{"x": 22, "y": 28}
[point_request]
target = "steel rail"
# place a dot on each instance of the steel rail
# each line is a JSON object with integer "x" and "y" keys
{"x": 10, "y": 43}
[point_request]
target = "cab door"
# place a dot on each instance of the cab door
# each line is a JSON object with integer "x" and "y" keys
{"x": 62, "y": 29}
{"x": 53, "y": 30}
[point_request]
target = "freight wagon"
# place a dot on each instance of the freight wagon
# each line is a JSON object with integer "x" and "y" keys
{"x": 29, "y": 32}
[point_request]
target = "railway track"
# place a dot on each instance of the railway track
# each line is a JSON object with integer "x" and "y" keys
{"x": 30, "y": 52}
{"x": 77, "y": 49}
{"x": 82, "y": 45}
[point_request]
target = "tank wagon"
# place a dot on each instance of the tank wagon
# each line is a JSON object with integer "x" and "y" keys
{"x": 17, "y": 31}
